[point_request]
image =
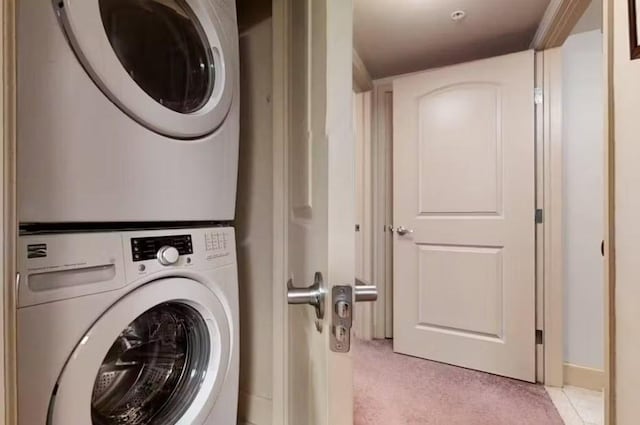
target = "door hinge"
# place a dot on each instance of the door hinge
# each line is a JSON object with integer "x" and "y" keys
{"x": 539, "y": 337}
{"x": 539, "y": 216}
{"x": 538, "y": 96}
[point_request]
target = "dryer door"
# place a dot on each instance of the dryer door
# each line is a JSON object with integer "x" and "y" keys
{"x": 163, "y": 62}
{"x": 159, "y": 356}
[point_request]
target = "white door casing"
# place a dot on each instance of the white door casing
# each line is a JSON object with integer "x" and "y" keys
{"x": 464, "y": 288}
{"x": 313, "y": 86}
{"x": 363, "y": 315}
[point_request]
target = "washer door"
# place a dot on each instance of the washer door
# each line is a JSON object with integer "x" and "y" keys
{"x": 163, "y": 62}
{"x": 159, "y": 356}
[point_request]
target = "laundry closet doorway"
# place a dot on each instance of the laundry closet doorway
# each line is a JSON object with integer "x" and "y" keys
{"x": 444, "y": 283}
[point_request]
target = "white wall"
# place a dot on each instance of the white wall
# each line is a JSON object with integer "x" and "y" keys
{"x": 254, "y": 221}
{"x": 583, "y": 203}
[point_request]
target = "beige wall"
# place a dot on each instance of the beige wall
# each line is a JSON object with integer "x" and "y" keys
{"x": 254, "y": 218}
{"x": 626, "y": 80}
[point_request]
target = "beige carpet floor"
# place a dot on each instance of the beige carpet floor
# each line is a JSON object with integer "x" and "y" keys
{"x": 393, "y": 389}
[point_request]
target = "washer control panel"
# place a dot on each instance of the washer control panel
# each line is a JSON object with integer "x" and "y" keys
{"x": 154, "y": 251}
{"x": 159, "y": 247}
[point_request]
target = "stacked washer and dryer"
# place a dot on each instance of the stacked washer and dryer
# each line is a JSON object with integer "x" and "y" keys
{"x": 127, "y": 169}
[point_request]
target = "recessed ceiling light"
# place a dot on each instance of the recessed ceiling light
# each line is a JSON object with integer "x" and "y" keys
{"x": 458, "y": 15}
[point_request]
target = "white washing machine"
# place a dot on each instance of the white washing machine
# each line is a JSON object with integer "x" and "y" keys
{"x": 128, "y": 328}
{"x": 126, "y": 110}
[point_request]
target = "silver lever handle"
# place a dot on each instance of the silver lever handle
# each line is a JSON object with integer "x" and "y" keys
{"x": 313, "y": 295}
{"x": 401, "y": 230}
{"x": 365, "y": 292}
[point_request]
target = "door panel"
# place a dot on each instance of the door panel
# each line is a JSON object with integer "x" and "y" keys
{"x": 320, "y": 209}
{"x": 463, "y": 299}
{"x": 464, "y": 289}
{"x": 467, "y": 157}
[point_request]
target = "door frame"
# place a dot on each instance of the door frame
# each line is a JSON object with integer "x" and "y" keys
{"x": 382, "y": 165}
{"x": 8, "y": 224}
{"x": 363, "y": 315}
{"x": 280, "y": 98}
{"x": 549, "y": 233}
{"x": 610, "y": 407}
{"x": 557, "y": 23}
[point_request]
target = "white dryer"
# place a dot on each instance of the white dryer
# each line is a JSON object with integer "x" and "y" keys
{"x": 127, "y": 110}
{"x": 128, "y": 328}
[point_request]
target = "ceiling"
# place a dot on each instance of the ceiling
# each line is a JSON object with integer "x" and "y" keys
{"x": 399, "y": 36}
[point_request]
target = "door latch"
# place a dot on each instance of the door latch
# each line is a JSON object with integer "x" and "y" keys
{"x": 342, "y": 302}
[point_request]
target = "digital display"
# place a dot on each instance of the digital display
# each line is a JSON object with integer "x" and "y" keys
{"x": 143, "y": 249}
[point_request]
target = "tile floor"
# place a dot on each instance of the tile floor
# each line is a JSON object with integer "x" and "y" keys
{"x": 578, "y": 406}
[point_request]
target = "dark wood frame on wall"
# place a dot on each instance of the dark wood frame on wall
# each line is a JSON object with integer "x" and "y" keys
{"x": 633, "y": 30}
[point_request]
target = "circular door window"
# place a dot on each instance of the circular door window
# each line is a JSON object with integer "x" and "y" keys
{"x": 159, "y": 356}
{"x": 165, "y": 63}
{"x": 164, "y": 49}
{"x": 154, "y": 369}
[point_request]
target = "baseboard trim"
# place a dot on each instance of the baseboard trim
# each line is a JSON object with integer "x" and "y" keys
{"x": 254, "y": 410}
{"x": 584, "y": 377}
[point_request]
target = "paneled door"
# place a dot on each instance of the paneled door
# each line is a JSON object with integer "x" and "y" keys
{"x": 464, "y": 207}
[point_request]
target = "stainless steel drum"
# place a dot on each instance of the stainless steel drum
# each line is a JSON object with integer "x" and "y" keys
{"x": 154, "y": 369}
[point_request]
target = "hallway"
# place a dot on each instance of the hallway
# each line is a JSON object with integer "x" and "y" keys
{"x": 394, "y": 389}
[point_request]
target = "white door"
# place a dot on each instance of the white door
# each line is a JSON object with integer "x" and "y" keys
{"x": 320, "y": 210}
{"x": 464, "y": 289}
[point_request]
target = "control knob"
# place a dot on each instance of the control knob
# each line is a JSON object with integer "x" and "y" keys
{"x": 168, "y": 255}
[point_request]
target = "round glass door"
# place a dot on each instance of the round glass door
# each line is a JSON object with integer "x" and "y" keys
{"x": 158, "y": 356}
{"x": 154, "y": 369}
{"x": 164, "y": 49}
{"x": 168, "y": 64}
